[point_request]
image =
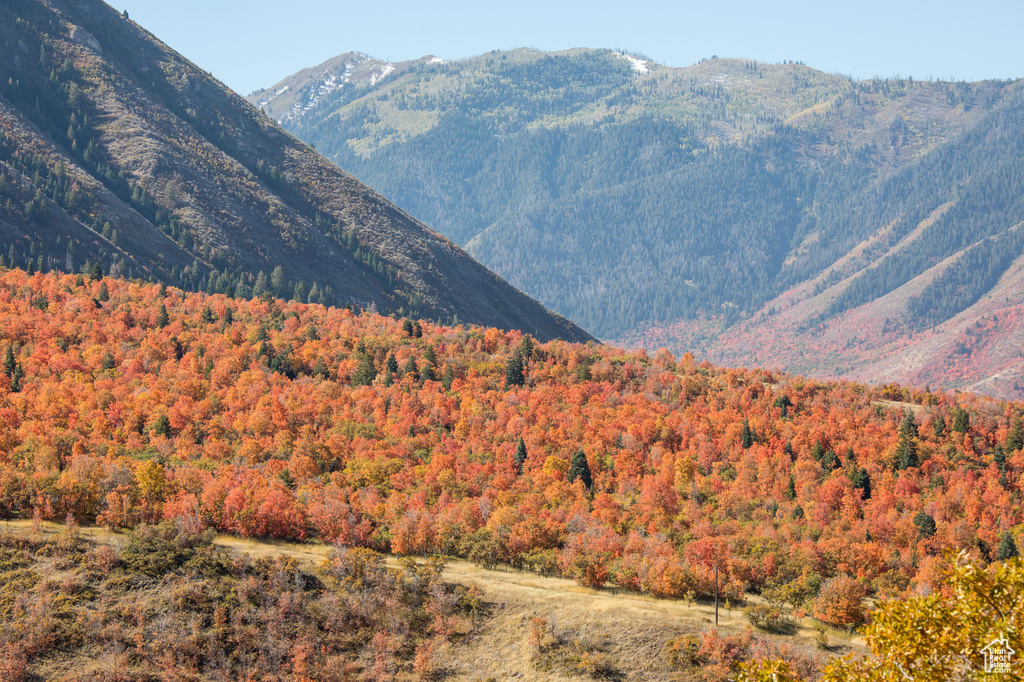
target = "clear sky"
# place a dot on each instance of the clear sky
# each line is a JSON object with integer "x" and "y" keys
{"x": 250, "y": 44}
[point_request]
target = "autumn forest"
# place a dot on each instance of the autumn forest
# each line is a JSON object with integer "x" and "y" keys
{"x": 126, "y": 403}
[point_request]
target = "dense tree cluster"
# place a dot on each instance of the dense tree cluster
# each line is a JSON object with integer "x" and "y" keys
{"x": 285, "y": 420}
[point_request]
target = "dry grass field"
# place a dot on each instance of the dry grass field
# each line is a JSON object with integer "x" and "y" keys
{"x": 617, "y": 634}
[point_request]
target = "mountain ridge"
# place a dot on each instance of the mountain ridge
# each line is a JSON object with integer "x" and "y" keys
{"x": 686, "y": 200}
{"x": 128, "y": 139}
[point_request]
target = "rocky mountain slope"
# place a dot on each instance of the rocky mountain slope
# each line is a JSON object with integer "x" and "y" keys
{"x": 666, "y": 205}
{"x": 116, "y": 150}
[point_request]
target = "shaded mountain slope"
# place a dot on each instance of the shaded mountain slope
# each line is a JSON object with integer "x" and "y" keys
{"x": 118, "y": 146}
{"x": 650, "y": 202}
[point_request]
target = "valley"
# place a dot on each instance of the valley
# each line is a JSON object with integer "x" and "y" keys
{"x": 691, "y": 208}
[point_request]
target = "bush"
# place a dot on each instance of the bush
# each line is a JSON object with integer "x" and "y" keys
{"x": 769, "y": 618}
{"x": 160, "y": 549}
{"x": 840, "y": 602}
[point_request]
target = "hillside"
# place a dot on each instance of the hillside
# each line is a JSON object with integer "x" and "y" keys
{"x": 123, "y": 402}
{"x": 663, "y": 205}
{"x": 115, "y": 150}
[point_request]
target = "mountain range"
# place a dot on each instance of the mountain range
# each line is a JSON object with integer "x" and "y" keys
{"x": 117, "y": 153}
{"x": 756, "y": 214}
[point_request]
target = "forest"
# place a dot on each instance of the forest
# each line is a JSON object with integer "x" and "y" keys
{"x": 624, "y": 201}
{"x": 127, "y": 402}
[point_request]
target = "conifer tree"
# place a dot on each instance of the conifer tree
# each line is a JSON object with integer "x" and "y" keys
{"x": 961, "y": 420}
{"x": 162, "y": 318}
{"x": 925, "y": 524}
{"x": 579, "y": 469}
{"x": 1007, "y": 548}
{"x": 1015, "y": 440}
{"x": 746, "y": 435}
{"x": 514, "y": 372}
{"x": 906, "y": 447}
{"x": 9, "y": 361}
{"x": 365, "y": 372}
{"x": 448, "y": 378}
{"x": 791, "y": 488}
{"x": 520, "y": 458}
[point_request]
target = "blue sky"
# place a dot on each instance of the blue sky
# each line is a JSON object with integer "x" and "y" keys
{"x": 254, "y": 43}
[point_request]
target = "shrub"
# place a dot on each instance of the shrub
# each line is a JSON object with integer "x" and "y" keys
{"x": 768, "y": 618}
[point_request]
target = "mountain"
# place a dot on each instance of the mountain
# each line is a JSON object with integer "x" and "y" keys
{"x": 690, "y": 207}
{"x": 115, "y": 150}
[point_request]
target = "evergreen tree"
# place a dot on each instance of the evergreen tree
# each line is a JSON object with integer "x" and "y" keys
{"x": 906, "y": 447}
{"x": 787, "y": 449}
{"x": 407, "y": 327}
{"x": 162, "y": 318}
{"x": 514, "y": 372}
{"x": 16, "y": 378}
{"x": 862, "y": 480}
{"x": 526, "y": 347}
{"x": 365, "y": 372}
{"x": 579, "y": 469}
{"x": 939, "y": 426}
{"x": 9, "y": 361}
{"x": 108, "y": 361}
{"x": 260, "y": 286}
{"x": 391, "y": 364}
{"x": 746, "y": 435}
{"x": 999, "y": 457}
{"x": 448, "y": 378}
{"x": 104, "y": 294}
{"x": 320, "y": 369}
{"x": 427, "y": 372}
{"x": 411, "y": 369}
{"x": 830, "y": 462}
{"x": 1007, "y": 548}
{"x": 783, "y": 403}
{"x": 818, "y": 451}
{"x": 520, "y": 458}
{"x": 961, "y": 420}
{"x": 277, "y": 281}
{"x": 791, "y": 488}
{"x": 1015, "y": 440}
{"x": 925, "y": 524}
{"x": 162, "y": 427}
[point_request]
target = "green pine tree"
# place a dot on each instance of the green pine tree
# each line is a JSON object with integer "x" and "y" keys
{"x": 520, "y": 458}
{"x": 162, "y": 426}
{"x": 9, "y": 361}
{"x": 940, "y": 426}
{"x": 746, "y": 435}
{"x": 1007, "y": 548}
{"x": 162, "y": 318}
{"x": 1015, "y": 440}
{"x": 514, "y": 371}
{"x": 791, "y": 488}
{"x": 365, "y": 372}
{"x": 961, "y": 420}
{"x": 906, "y": 447}
{"x": 448, "y": 378}
{"x": 925, "y": 524}
{"x": 580, "y": 469}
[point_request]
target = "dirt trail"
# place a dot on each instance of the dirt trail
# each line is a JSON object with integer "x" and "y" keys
{"x": 631, "y": 629}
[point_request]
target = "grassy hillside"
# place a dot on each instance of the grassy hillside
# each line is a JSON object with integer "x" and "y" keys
{"x": 632, "y": 196}
{"x": 115, "y": 150}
